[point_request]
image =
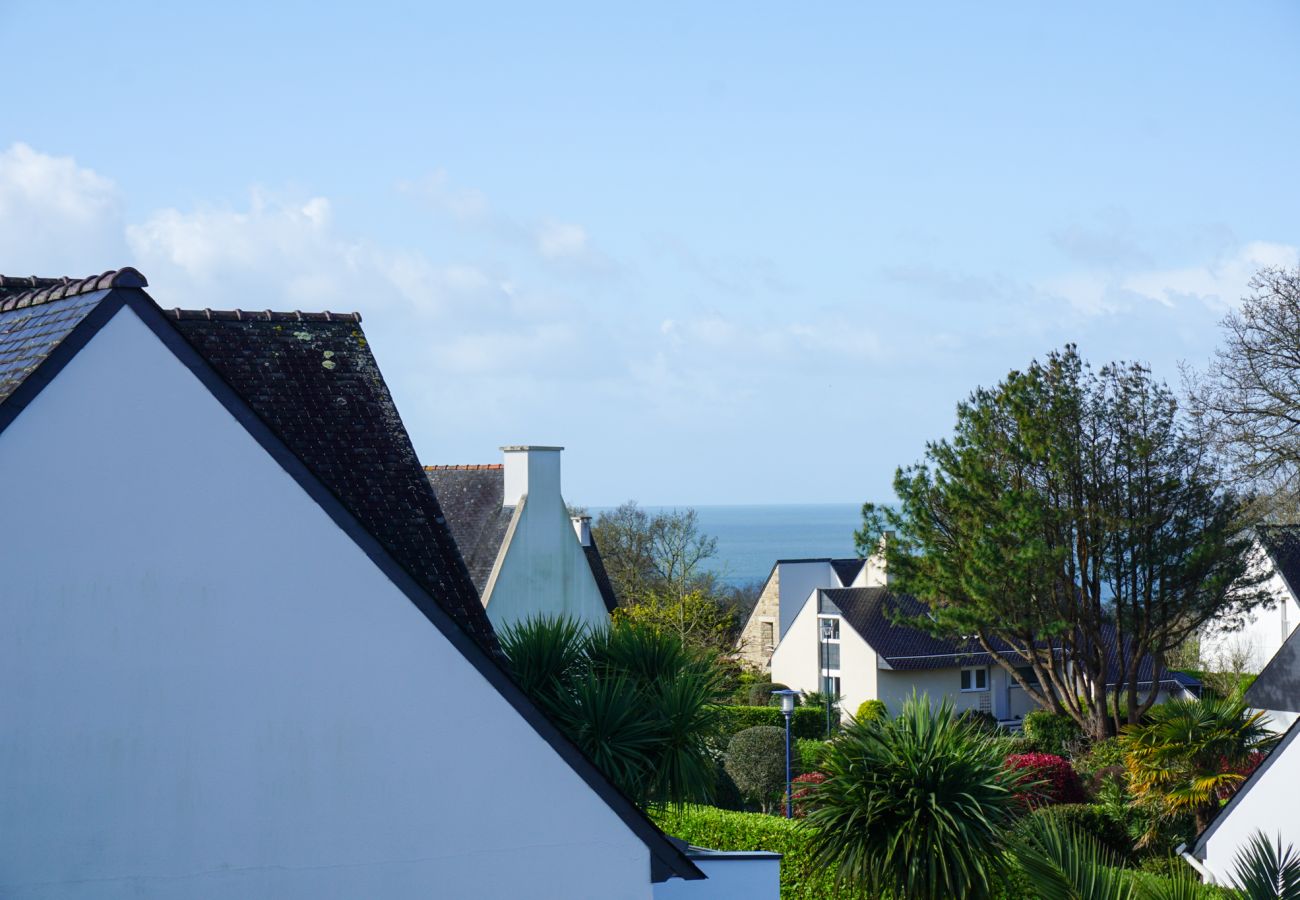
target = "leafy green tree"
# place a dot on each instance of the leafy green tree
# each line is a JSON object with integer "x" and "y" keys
{"x": 755, "y": 760}
{"x": 1189, "y": 753}
{"x": 1071, "y": 510}
{"x": 695, "y": 617}
{"x": 635, "y": 699}
{"x": 916, "y": 805}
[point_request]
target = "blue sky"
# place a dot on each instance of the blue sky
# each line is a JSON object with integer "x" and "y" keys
{"x": 724, "y": 253}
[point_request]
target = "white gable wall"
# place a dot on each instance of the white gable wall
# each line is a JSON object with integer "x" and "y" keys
{"x": 795, "y": 662}
{"x": 797, "y": 581}
{"x": 208, "y": 690}
{"x": 1268, "y": 805}
{"x": 1263, "y": 635}
{"x": 542, "y": 569}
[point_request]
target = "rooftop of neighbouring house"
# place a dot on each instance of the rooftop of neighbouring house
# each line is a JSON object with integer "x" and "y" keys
{"x": 1283, "y": 544}
{"x": 312, "y": 379}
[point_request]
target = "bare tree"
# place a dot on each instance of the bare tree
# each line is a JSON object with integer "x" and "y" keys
{"x": 1248, "y": 400}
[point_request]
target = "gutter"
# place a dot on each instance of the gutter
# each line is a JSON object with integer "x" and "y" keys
{"x": 1206, "y": 875}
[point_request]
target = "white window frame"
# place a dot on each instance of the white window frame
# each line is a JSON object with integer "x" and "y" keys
{"x": 974, "y": 688}
{"x": 824, "y": 646}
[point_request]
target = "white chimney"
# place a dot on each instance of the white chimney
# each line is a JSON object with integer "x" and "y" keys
{"x": 530, "y": 470}
{"x": 877, "y": 568}
{"x": 582, "y": 527}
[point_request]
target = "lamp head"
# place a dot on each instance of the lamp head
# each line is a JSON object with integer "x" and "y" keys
{"x": 787, "y": 700}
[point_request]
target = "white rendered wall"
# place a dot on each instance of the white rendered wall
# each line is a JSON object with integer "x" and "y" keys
{"x": 798, "y": 579}
{"x": 896, "y": 686}
{"x": 858, "y": 670}
{"x": 795, "y": 660}
{"x": 542, "y": 569}
{"x": 207, "y": 689}
{"x": 1269, "y": 806}
{"x": 756, "y": 877}
{"x": 1262, "y": 636}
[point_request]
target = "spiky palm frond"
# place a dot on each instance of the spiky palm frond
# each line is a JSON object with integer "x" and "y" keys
{"x": 1064, "y": 864}
{"x": 1265, "y": 871}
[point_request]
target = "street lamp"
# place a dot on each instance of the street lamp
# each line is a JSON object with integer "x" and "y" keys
{"x": 827, "y": 629}
{"x": 787, "y": 709}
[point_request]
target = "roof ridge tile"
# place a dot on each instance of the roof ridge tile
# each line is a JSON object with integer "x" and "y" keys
{"x": 20, "y": 292}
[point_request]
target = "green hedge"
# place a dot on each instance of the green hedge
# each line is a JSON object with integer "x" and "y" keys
{"x": 718, "y": 829}
{"x": 1052, "y": 733}
{"x": 807, "y": 721}
{"x": 809, "y": 754}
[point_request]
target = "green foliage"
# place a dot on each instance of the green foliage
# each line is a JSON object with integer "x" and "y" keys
{"x": 635, "y": 700}
{"x": 984, "y": 721}
{"x": 802, "y": 876}
{"x": 810, "y": 754}
{"x": 1083, "y": 818}
{"x": 807, "y": 722}
{"x": 755, "y": 761}
{"x": 1064, "y": 482}
{"x": 1265, "y": 871}
{"x": 1188, "y": 754}
{"x": 761, "y": 694}
{"x": 695, "y": 617}
{"x": 915, "y": 805}
{"x": 872, "y": 709}
{"x": 1052, "y": 733}
{"x": 1065, "y": 864}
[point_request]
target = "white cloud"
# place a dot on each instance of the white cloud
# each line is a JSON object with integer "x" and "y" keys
{"x": 56, "y": 217}
{"x": 557, "y": 240}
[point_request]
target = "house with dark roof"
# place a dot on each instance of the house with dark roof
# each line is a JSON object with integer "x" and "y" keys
{"x": 784, "y": 593}
{"x": 242, "y": 655}
{"x": 851, "y": 642}
{"x": 525, "y": 554}
{"x": 1247, "y": 641}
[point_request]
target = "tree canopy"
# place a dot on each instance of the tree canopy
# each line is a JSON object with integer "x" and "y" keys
{"x": 1072, "y": 512}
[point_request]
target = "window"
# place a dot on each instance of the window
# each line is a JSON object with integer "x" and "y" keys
{"x": 975, "y": 679}
{"x": 834, "y": 623}
{"x": 769, "y": 634}
{"x": 831, "y": 685}
{"x": 832, "y": 656}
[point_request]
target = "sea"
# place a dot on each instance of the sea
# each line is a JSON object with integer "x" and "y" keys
{"x": 752, "y": 538}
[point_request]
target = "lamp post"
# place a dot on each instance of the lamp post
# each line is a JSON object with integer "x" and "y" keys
{"x": 787, "y": 709}
{"x": 826, "y": 671}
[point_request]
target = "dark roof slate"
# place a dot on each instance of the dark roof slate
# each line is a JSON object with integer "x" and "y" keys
{"x": 1283, "y": 545}
{"x": 32, "y": 324}
{"x": 314, "y": 381}
{"x": 602, "y": 577}
{"x": 470, "y": 497}
{"x": 847, "y": 569}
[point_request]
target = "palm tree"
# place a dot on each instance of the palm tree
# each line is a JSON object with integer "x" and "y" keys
{"x": 916, "y": 806}
{"x": 635, "y": 700}
{"x": 1188, "y": 753}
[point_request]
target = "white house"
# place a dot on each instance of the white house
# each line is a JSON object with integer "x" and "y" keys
{"x": 845, "y": 641}
{"x": 1247, "y": 641}
{"x": 787, "y": 588}
{"x": 1266, "y": 802}
{"x": 240, "y": 654}
{"x": 524, "y": 553}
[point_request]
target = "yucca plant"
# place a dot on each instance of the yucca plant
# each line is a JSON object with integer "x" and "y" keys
{"x": 1265, "y": 871}
{"x": 915, "y": 806}
{"x": 1190, "y": 752}
{"x": 637, "y": 701}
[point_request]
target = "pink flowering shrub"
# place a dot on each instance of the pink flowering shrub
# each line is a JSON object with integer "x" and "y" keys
{"x": 1057, "y": 780}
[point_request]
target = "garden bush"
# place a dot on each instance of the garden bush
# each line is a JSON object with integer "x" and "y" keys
{"x": 756, "y": 763}
{"x": 1059, "y": 783}
{"x": 1088, "y": 819}
{"x": 1052, "y": 733}
{"x": 870, "y": 710}
{"x": 800, "y": 789}
{"x": 760, "y": 694}
{"x": 809, "y": 754}
{"x": 980, "y": 719}
{"x": 802, "y": 877}
{"x": 806, "y": 722}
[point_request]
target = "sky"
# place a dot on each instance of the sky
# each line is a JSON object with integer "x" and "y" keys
{"x": 723, "y": 253}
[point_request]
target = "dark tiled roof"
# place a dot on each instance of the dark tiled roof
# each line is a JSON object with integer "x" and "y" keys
{"x": 847, "y": 569}
{"x": 471, "y": 498}
{"x": 602, "y": 577}
{"x": 1283, "y": 544}
{"x": 870, "y": 612}
{"x": 314, "y": 381}
{"x": 32, "y": 324}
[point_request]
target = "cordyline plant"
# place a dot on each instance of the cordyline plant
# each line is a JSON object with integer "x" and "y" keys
{"x": 916, "y": 806}
{"x": 1072, "y": 527}
{"x": 637, "y": 701}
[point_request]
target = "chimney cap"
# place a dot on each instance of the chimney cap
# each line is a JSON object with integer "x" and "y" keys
{"x": 511, "y": 448}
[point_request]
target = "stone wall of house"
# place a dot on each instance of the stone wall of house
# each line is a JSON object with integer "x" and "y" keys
{"x": 759, "y": 637}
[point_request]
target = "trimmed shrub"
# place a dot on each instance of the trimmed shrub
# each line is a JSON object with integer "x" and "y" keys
{"x": 871, "y": 710}
{"x": 807, "y": 722}
{"x": 756, "y": 763}
{"x": 760, "y": 693}
{"x": 802, "y": 877}
{"x": 809, "y": 754}
{"x": 1059, "y": 782}
{"x": 1051, "y": 733}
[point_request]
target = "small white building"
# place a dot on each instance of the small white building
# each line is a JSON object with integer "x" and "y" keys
{"x": 525, "y": 554}
{"x": 240, "y": 654}
{"x": 845, "y": 642}
{"x": 1246, "y": 641}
